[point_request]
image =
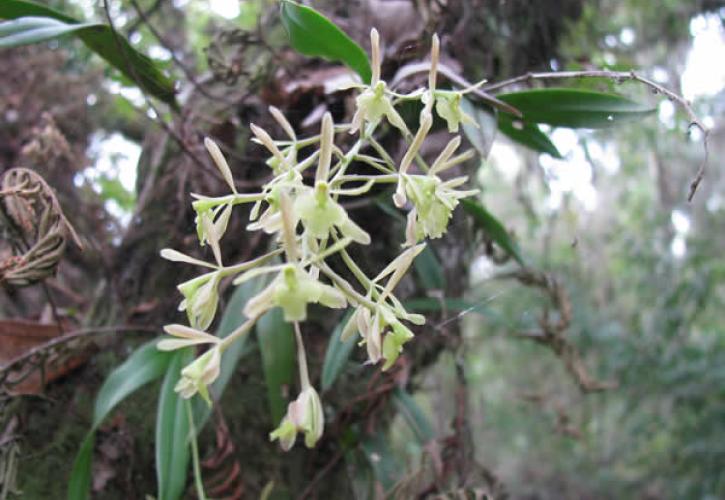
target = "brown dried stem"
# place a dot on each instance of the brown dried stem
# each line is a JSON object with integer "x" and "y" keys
{"x": 551, "y": 332}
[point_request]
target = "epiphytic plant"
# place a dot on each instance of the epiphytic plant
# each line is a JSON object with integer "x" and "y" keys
{"x": 310, "y": 225}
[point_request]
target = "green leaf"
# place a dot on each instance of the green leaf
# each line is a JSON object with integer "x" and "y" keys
{"x": 338, "y": 352}
{"x": 413, "y": 416}
{"x": 146, "y": 364}
{"x": 493, "y": 228}
{"x": 79, "y": 483}
{"x": 277, "y": 345}
{"x": 489, "y": 121}
{"x": 172, "y": 432}
{"x": 231, "y": 319}
{"x": 381, "y": 459}
{"x": 312, "y": 34}
{"x": 483, "y": 132}
{"x": 27, "y": 30}
{"x": 100, "y": 38}
{"x": 360, "y": 474}
{"x": 575, "y": 108}
{"x": 12, "y": 9}
{"x": 527, "y": 134}
{"x": 429, "y": 270}
{"x": 136, "y": 66}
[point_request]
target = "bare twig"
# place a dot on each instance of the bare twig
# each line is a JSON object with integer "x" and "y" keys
{"x": 142, "y": 18}
{"x": 551, "y": 332}
{"x": 136, "y": 23}
{"x": 620, "y": 76}
{"x": 22, "y": 366}
{"x": 167, "y": 128}
{"x": 423, "y": 67}
{"x": 321, "y": 474}
{"x": 81, "y": 332}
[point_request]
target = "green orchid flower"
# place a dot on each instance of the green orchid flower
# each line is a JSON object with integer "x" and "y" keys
{"x": 393, "y": 342}
{"x": 320, "y": 213}
{"x": 201, "y": 298}
{"x": 292, "y": 290}
{"x": 380, "y": 324}
{"x": 304, "y": 415}
{"x": 448, "y": 107}
{"x": 374, "y": 102}
{"x": 199, "y": 374}
{"x": 434, "y": 199}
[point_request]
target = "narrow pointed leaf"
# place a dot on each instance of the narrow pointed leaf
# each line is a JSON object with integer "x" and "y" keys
{"x": 337, "y": 355}
{"x": 172, "y": 432}
{"x": 231, "y": 319}
{"x": 360, "y": 474}
{"x": 493, "y": 228}
{"x": 28, "y": 30}
{"x": 429, "y": 270}
{"x": 79, "y": 484}
{"x": 385, "y": 467}
{"x": 100, "y": 38}
{"x": 277, "y": 346}
{"x": 146, "y": 364}
{"x": 413, "y": 416}
{"x": 575, "y": 108}
{"x": 527, "y": 134}
{"x": 312, "y": 34}
{"x": 482, "y": 134}
{"x": 12, "y": 9}
{"x": 489, "y": 121}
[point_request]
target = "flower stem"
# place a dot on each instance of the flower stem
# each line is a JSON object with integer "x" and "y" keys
{"x": 239, "y": 332}
{"x": 243, "y": 266}
{"x": 354, "y": 151}
{"x": 345, "y": 287}
{"x": 301, "y": 358}
{"x": 194, "y": 452}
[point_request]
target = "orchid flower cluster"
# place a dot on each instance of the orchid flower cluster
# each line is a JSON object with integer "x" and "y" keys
{"x": 309, "y": 225}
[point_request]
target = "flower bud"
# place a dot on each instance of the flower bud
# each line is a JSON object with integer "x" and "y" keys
{"x": 393, "y": 343}
{"x": 186, "y": 337}
{"x": 304, "y": 415}
{"x": 201, "y": 299}
{"x": 197, "y": 375}
{"x": 448, "y": 107}
{"x": 220, "y": 162}
{"x": 211, "y": 224}
{"x": 372, "y": 104}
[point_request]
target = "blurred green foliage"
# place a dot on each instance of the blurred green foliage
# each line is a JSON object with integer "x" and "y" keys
{"x": 644, "y": 272}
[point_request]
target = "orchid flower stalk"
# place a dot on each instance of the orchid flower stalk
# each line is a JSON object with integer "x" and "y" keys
{"x": 309, "y": 224}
